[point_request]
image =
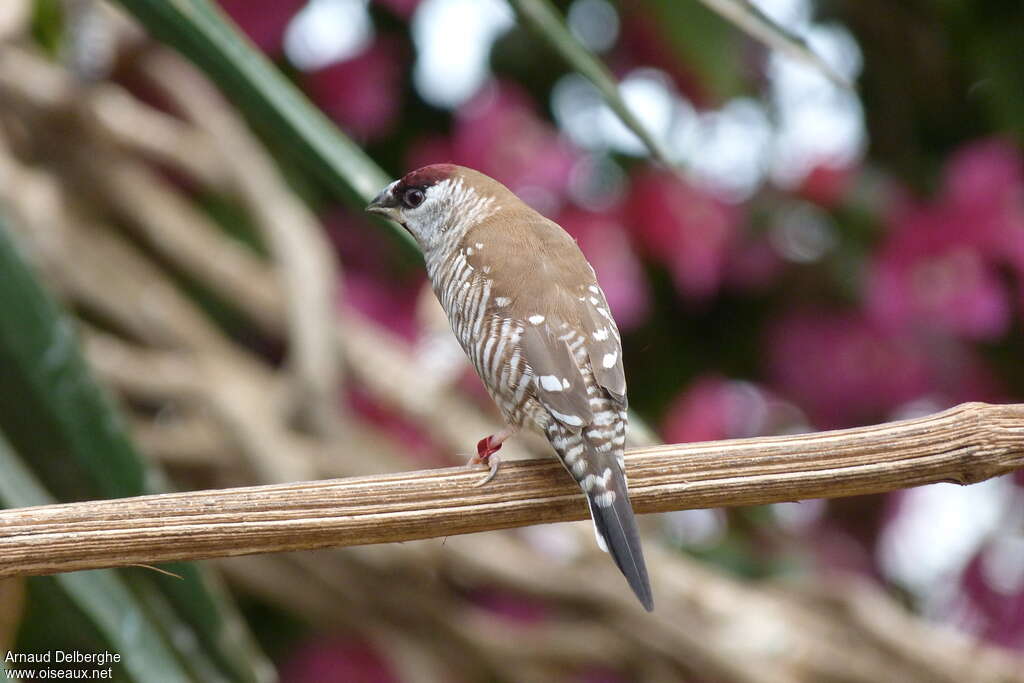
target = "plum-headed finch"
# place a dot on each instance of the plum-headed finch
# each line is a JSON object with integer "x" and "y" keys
{"x": 527, "y": 309}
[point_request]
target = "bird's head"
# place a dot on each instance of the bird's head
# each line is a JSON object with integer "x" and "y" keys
{"x": 438, "y": 204}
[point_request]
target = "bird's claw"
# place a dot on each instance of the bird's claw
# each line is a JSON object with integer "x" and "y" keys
{"x": 493, "y": 460}
{"x": 487, "y": 454}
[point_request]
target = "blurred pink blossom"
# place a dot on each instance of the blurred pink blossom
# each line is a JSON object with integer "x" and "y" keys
{"x": 842, "y": 368}
{"x": 931, "y": 275}
{"x": 373, "y": 284}
{"x": 713, "y": 408}
{"x": 986, "y": 174}
{"x": 984, "y": 187}
{"x": 991, "y": 611}
{"x": 512, "y": 607}
{"x": 753, "y": 265}
{"x": 689, "y": 231}
{"x": 603, "y": 239}
{"x": 837, "y": 550}
{"x": 336, "y": 659}
{"x": 958, "y": 373}
{"x": 704, "y": 412}
{"x": 826, "y": 184}
{"x": 499, "y": 133}
{"x": 415, "y": 443}
{"x": 938, "y": 268}
{"x": 264, "y": 21}
{"x": 364, "y": 93}
{"x": 390, "y": 304}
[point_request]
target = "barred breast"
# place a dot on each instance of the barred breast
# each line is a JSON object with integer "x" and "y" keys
{"x": 490, "y": 337}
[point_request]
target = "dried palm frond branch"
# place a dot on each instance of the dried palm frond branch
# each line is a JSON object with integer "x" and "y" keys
{"x": 965, "y": 444}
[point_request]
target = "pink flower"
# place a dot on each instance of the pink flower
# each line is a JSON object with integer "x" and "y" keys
{"x": 987, "y": 609}
{"x": 826, "y": 184}
{"x": 336, "y": 659}
{"x": 753, "y": 265}
{"x": 263, "y": 21}
{"x": 512, "y": 607}
{"x": 363, "y": 94}
{"x": 416, "y": 445}
{"x": 938, "y": 270}
{"x": 984, "y": 187}
{"x": 689, "y": 231}
{"x": 499, "y": 133}
{"x": 843, "y": 369}
{"x": 959, "y": 374}
{"x": 390, "y": 304}
{"x": 983, "y": 174}
{"x": 603, "y": 239}
{"x": 713, "y": 408}
{"x": 932, "y": 275}
{"x": 837, "y": 549}
{"x": 706, "y": 411}
{"x": 372, "y": 285}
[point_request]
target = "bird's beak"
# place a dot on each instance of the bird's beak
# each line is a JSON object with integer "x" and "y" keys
{"x": 384, "y": 204}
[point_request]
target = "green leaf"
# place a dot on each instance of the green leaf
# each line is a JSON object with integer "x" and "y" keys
{"x": 100, "y": 594}
{"x": 204, "y": 35}
{"x": 61, "y": 421}
{"x": 543, "y": 18}
{"x": 704, "y": 45}
{"x": 50, "y": 406}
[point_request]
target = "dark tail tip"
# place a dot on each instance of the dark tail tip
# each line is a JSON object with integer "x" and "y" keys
{"x": 641, "y": 586}
{"x": 645, "y": 597}
{"x": 617, "y": 526}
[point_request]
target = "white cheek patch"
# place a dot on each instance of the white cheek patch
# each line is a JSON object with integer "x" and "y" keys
{"x": 460, "y": 203}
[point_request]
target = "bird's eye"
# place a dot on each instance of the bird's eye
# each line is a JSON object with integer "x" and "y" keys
{"x": 413, "y": 197}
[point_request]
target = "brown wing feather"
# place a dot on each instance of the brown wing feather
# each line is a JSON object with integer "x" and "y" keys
{"x": 602, "y": 342}
{"x": 559, "y": 383}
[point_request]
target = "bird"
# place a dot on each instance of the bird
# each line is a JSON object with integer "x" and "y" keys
{"x": 526, "y": 307}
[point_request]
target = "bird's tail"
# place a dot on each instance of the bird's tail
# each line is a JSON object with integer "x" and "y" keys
{"x": 600, "y": 476}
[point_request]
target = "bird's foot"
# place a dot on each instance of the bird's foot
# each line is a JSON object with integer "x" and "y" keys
{"x": 487, "y": 454}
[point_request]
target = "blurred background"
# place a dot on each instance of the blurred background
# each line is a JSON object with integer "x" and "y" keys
{"x": 193, "y": 298}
